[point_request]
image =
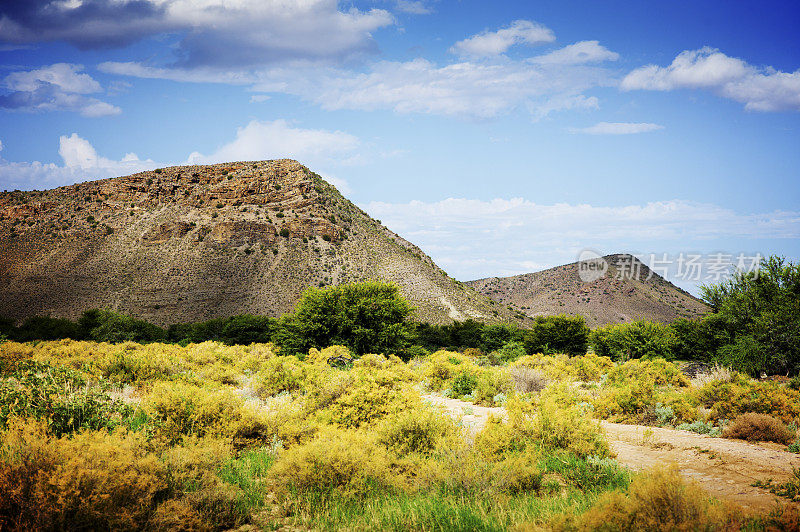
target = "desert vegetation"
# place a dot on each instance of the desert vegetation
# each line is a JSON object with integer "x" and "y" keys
{"x": 130, "y": 436}
{"x": 319, "y": 420}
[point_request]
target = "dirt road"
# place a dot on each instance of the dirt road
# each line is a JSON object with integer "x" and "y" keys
{"x": 724, "y": 468}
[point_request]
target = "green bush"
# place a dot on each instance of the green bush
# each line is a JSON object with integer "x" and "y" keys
{"x": 108, "y": 326}
{"x": 61, "y": 397}
{"x": 369, "y": 317}
{"x": 46, "y": 328}
{"x": 639, "y": 339}
{"x": 463, "y": 384}
{"x": 557, "y": 334}
{"x": 511, "y": 351}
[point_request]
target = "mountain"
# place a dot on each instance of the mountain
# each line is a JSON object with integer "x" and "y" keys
{"x": 191, "y": 243}
{"x": 621, "y": 295}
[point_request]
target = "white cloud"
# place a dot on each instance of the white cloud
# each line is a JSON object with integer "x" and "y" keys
{"x": 618, "y": 128}
{"x": 470, "y": 238}
{"x": 80, "y": 163}
{"x": 61, "y": 86}
{"x": 413, "y": 7}
{"x": 760, "y": 89}
{"x": 487, "y": 88}
{"x": 320, "y": 149}
{"x": 277, "y": 140}
{"x": 63, "y": 75}
{"x": 578, "y": 53}
{"x": 217, "y": 33}
{"x": 482, "y": 90}
{"x": 493, "y": 43}
{"x": 468, "y": 89}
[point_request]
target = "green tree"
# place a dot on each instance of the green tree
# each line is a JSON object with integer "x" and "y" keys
{"x": 109, "y": 326}
{"x": 368, "y": 317}
{"x": 497, "y": 335}
{"x": 639, "y": 339}
{"x": 558, "y": 334}
{"x": 761, "y": 312}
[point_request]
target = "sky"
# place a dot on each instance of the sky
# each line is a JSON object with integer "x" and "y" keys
{"x": 500, "y": 137}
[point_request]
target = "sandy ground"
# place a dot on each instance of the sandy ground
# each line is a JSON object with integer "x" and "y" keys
{"x": 725, "y": 468}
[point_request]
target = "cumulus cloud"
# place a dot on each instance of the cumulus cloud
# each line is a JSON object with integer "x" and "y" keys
{"x": 760, "y": 89}
{"x": 80, "y": 162}
{"x": 493, "y": 43}
{"x": 618, "y": 128}
{"x": 61, "y": 86}
{"x": 578, "y": 53}
{"x": 483, "y": 88}
{"x": 211, "y": 33}
{"x": 278, "y": 139}
{"x": 257, "y": 140}
{"x": 469, "y": 238}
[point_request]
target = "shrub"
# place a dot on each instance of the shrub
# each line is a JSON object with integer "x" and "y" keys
{"x": 701, "y": 427}
{"x": 639, "y": 339}
{"x": 560, "y": 426}
{"x": 60, "y": 396}
{"x": 552, "y": 424}
{"x": 346, "y": 463}
{"x": 511, "y": 351}
{"x": 491, "y": 385}
{"x": 416, "y": 432}
{"x": 372, "y": 396}
{"x": 463, "y": 383}
{"x": 279, "y": 374}
{"x": 183, "y": 409}
{"x": 442, "y": 366}
{"x": 528, "y": 380}
{"x": 730, "y": 399}
{"x": 633, "y": 401}
{"x": 558, "y": 334}
{"x": 93, "y": 480}
{"x": 658, "y": 370}
{"x": 758, "y": 427}
{"x": 658, "y": 500}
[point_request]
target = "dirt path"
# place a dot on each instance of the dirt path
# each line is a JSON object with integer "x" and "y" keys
{"x": 724, "y": 468}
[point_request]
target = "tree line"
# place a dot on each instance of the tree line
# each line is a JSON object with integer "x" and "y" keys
{"x": 753, "y": 326}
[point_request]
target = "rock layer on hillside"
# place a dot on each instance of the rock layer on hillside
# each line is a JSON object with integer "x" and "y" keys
{"x": 195, "y": 242}
{"x": 628, "y": 291}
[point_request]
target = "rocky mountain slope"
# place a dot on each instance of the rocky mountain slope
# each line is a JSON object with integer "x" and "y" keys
{"x": 195, "y": 242}
{"x": 628, "y": 291}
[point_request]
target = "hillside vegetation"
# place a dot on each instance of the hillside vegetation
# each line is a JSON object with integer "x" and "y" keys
{"x": 629, "y": 291}
{"x": 192, "y": 243}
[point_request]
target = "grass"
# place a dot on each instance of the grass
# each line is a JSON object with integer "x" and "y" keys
{"x": 442, "y": 511}
{"x": 248, "y": 472}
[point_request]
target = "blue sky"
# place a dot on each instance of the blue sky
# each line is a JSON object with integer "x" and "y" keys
{"x": 501, "y": 137}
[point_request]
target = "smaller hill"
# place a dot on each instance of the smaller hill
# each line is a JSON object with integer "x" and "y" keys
{"x": 621, "y": 295}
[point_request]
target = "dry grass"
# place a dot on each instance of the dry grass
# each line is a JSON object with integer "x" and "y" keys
{"x": 527, "y": 380}
{"x": 759, "y": 427}
{"x": 717, "y": 373}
